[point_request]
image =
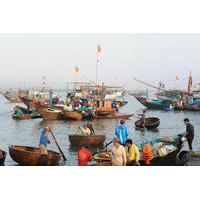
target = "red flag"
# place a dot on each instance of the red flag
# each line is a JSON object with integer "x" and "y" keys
{"x": 177, "y": 78}
{"x": 98, "y": 49}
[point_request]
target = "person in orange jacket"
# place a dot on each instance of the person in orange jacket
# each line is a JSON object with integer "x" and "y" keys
{"x": 84, "y": 155}
{"x": 147, "y": 154}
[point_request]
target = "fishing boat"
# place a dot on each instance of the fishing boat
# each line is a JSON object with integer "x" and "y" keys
{"x": 72, "y": 115}
{"x": 158, "y": 104}
{"x": 188, "y": 107}
{"x": 150, "y": 122}
{"x": 93, "y": 140}
{"x": 26, "y": 116}
{"x": 105, "y": 111}
{"x": 51, "y": 114}
{"x": 13, "y": 95}
{"x": 166, "y": 160}
{"x": 26, "y": 100}
{"x": 42, "y": 105}
{"x": 3, "y": 157}
{"x": 114, "y": 116}
{"x": 30, "y": 156}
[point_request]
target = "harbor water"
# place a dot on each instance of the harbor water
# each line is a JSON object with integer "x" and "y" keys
{"x": 27, "y": 132}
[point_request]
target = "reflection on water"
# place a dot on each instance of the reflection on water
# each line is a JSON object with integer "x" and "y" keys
{"x": 27, "y": 132}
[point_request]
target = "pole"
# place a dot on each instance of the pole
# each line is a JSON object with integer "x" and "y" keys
{"x": 64, "y": 158}
{"x": 51, "y": 99}
{"x": 97, "y": 66}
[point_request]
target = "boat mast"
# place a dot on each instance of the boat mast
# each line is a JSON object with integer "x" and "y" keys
{"x": 97, "y": 63}
{"x": 190, "y": 83}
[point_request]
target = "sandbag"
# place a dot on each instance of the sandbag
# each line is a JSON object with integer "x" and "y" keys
{"x": 162, "y": 151}
{"x": 156, "y": 147}
{"x": 167, "y": 139}
{"x": 194, "y": 154}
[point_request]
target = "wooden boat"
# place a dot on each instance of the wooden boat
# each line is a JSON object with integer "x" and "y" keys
{"x": 122, "y": 103}
{"x": 122, "y": 116}
{"x": 2, "y": 158}
{"x": 26, "y": 116}
{"x": 30, "y": 156}
{"x": 154, "y": 104}
{"x": 93, "y": 140}
{"x": 150, "y": 122}
{"x": 169, "y": 159}
{"x": 51, "y": 114}
{"x": 105, "y": 111}
{"x": 26, "y": 100}
{"x": 11, "y": 96}
{"x": 41, "y": 105}
{"x": 188, "y": 107}
{"x": 72, "y": 115}
{"x": 168, "y": 109}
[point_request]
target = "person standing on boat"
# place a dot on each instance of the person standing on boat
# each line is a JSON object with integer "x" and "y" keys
{"x": 189, "y": 134}
{"x": 44, "y": 140}
{"x": 85, "y": 130}
{"x": 142, "y": 117}
{"x": 121, "y": 132}
{"x": 132, "y": 153}
{"x": 118, "y": 154}
{"x": 84, "y": 155}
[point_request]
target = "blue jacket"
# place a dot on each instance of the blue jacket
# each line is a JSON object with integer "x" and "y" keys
{"x": 122, "y": 133}
{"x": 43, "y": 138}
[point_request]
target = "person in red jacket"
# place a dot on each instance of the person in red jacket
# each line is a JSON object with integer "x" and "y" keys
{"x": 84, "y": 155}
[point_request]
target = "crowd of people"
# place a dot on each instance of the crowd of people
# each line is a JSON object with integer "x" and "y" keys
{"x": 83, "y": 104}
{"x": 124, "y": 152}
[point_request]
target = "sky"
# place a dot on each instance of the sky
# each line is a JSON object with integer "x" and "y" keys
{"x": 25, "y": 58}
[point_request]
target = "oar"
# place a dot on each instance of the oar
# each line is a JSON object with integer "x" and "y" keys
{"x": 64, "y": 158}
{"x": 105, "y": 147}
{"x": 92, "y": 129}
{"x": 79, "y": 128}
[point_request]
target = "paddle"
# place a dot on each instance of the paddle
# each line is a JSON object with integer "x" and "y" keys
{"x": 79, "y": 128}
{"x": 92, "y": 129}
{"x": 64, "y": 158}
{"x": 105, "y": 147}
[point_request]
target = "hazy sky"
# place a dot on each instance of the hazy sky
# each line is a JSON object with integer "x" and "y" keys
{"x": 25, "y": 58}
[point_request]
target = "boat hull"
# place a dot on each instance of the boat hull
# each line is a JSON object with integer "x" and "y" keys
{"x": 30, "y": 156}
{"x": 2, "y": 159}
{"x": 168, "y": 160}
{"x": 150, "y": 122}
{"x": 50, "y": 114}
{"x": 151, "y": 105}
{"x": 93, "y": 140}
{"x": 26, "y": 117}
{"x": 113, "y": 117}
{"x": 72, "y": 115}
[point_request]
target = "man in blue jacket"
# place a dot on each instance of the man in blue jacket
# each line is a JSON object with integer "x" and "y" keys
{"x": 44, "y": 140}
{"x": 121, "y": 132}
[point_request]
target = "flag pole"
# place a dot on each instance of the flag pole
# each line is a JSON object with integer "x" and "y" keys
{"x": 97, "y": 69}
{"x": 97, "y": 63}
